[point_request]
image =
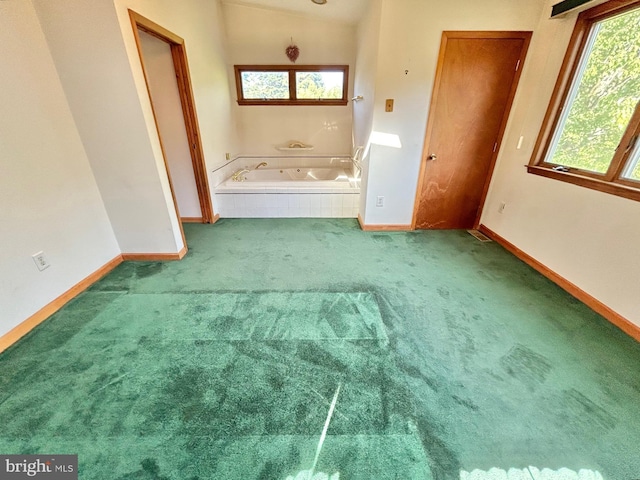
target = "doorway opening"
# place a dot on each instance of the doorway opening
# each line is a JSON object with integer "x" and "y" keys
{"x": 476, "y": 80}
{"x": 166, "y": 71}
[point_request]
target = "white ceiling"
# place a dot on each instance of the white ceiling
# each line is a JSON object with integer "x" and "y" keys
{"x": 349, "y": 11}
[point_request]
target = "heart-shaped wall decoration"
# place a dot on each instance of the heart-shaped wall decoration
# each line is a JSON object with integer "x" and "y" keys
{"x": 293, "y": 52}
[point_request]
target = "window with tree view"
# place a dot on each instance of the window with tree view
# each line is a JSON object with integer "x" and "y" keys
{"x": 592, "y": 125}
{"x": 296, "y": 85}
{"x": 265, "y": 85}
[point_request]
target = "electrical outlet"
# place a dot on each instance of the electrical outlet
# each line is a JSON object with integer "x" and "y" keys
{"x": 388, "y": 105}
{"x": 41, "y": 261}
{"x": 227, "y": 156}
{"x": 380, "y": 201}
{"x": 501, "y": 207}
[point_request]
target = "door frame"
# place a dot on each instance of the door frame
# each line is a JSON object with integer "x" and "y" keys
{"x": 446, "y": 35}
{"x": 181, "y": 66}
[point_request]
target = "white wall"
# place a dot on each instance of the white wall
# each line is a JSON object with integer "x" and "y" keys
{"x": 410, "y": 33}
{"x": 588, "y": 237}
{"x": 163, "y": 85}
{"x": 114, "y": 121}
{"x": 49, "y": 199}
{"x": 200, "y": 24}
{"x": 260, "y": 36}
{"x": 365, "y": 74}
{"x": 367, "y": 37}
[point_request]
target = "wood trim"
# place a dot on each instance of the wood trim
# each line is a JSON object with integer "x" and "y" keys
{"x": 187, "y": 101}
{"x": 292, "y": 69}
{"x": 284, "y": 103}
{"x": 239, "y": 93}
{"x": 633, "y": 184}
{"x": 298, "y": 68}
{"x": 610, "y": 8}
{"x": 618, "y": 189}
{"x": 596, "y": 305}
{"x": 292, "y": 90}
{"x": 446, "y": 35}
{"x": 153, "y": 28}
{"x": 45, "y": 312}
{"x": 383, "y": 228}
{"x": 623, "y": 151}
{"x": 479, "y": 34}
{"x": 560, "y": 91}
{"x": 215, "y": 218}
{"x": 154, "y": 257}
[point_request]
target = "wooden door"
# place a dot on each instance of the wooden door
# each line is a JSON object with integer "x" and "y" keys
{"x": 476, "y": 79}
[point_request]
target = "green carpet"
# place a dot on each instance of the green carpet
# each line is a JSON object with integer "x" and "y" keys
{"x": 454, "y": 360}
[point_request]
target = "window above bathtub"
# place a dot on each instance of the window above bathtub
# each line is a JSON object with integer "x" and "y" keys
{"x": 292, "y": 85}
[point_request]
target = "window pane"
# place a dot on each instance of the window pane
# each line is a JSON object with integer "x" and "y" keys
{"x": 632, "y": 171}
{"x": 601, "y": 105}
{"x": 265, "y": 85}
{"x": 319, "y": 85}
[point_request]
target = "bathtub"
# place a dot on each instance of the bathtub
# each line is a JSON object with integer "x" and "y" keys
{"x": 317, "y": 191}
{"x": 314, "y": 179}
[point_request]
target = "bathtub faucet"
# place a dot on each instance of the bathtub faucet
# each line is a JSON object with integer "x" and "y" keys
{"x": 238, "y": 176}
{"x": 261, "y": 164}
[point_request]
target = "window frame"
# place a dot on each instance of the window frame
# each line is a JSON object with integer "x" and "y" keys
{"x": 612, "y": 181}
{"x": 292, "y": 70}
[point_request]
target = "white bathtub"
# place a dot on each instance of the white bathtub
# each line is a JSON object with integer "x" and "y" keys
{"x": 314, "y": 179}
{"x": 328, "y": 192}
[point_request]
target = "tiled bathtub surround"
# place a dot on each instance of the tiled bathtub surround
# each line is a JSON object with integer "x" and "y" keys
{"x": 276, "y": 205}
{"x": 315, "y": 199}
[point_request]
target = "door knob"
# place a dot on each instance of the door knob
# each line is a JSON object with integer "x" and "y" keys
{"x": 432, "y": 157}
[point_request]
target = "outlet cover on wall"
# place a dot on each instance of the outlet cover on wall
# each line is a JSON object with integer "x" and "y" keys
{"x": 41, "y": 261}
{"x": 380, "y": 201}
